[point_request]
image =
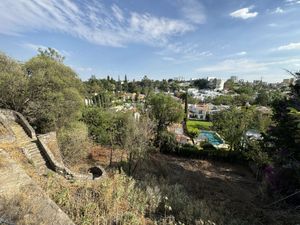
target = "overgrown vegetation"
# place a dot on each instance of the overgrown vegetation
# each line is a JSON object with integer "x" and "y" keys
{"x": 52, "y": 96}
{"x": 74, "y": 142}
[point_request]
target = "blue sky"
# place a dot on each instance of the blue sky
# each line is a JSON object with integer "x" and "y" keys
{"x": 158, "y": 38}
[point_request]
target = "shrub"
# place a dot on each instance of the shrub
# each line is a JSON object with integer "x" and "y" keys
{"x": 168, "y": 143}
{"x": 73, "y": 142}
{"x": 115, "y": 200}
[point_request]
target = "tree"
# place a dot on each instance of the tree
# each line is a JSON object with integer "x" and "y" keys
{"x": 229, "y": 85}
{"x": 263, "y": 98}
{"x": 164, "y": 86}
{"x": 193, "y": 132}
{"x": 165, "y": 110}
{"x": 147, "y": 86}
{"x": 99, "y": 122}
{"x": 242, "y": 99}
{"x": 13, "y": 84}
{"x": 55, "y": 94}
{"x": 51, "y": 53}
{"x": 118, "y": 85}
{"x": 232, "y": 124}
{"x": 125, "y": 84}
{"x": 137, "y": 142}
{"x": 284, "y": 140}
{"x": 93, "y": 86}
{"x": 201, "y": 84}
{"x": 223, "y": 100}
{"x": 287, "y": 117}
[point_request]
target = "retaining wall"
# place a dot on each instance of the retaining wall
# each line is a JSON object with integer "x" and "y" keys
{"x": 8, "y": 114}
{"x": 58, "y": 166}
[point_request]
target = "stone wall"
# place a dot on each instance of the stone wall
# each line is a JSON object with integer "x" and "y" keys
{"x": 11, "y": 115}
{"x": 50, "y": 140}
{"x": 54, "y": 161}
{"x": 59, "y": 167}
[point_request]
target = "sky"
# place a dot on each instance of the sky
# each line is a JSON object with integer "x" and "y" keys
{"x": 251, "y": 39}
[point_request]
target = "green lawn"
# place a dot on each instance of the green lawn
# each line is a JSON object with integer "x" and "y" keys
{"x": 201, "y": 125}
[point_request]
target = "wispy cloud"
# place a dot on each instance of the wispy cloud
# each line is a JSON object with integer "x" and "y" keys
{"x": 291, "y": 46}
{"x": 292, "y": 2}
{"x": 184, "y": 52}
{"x": 118, "y": 13}
{"x": 278, "y": 10}
{"x": 246, "y": 66}
{"x": 244, "y": 13}
{"x": 235, "y": 65}
{"x": 192, "y": 10}
{"x": 149, "y": 28}
{"x": 36, "y": 47}
{"x": 168, "y": 58}
{"x": 91, "y": 21}
{"x": 241, "y": 53}
{"x": 273, "y": 25}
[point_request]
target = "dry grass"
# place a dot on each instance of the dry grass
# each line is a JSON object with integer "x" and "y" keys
{"x": 219, "y": 192}
{"x": 18, "y": 210}
{"x": 115, "y": 200}
{"x": 198, "y": 192}
{"x": 101, "y": 155}
{"x": 3, "y": 130}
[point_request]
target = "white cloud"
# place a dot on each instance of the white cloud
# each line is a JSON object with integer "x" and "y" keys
{"x": 92, "y": 21}
{"x": 292, "y": 2}
{"x": 241, "y": 53}
{"x": 168, "y": 58}
{"x": 237, "y": 66}
{"x": 244, "y": 13}
{"x": 192, "y": 10}
{"x": 148, "y": 28}
{"x": 184, "y": 52}
{"x": 248, "y": 66}
{"x": 118, "y": 13}
{"x": 278, "y": 10}
{"x": 272, "y": 24}
{"x": 291, "y": 46}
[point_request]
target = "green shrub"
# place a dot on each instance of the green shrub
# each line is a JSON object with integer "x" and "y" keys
{"x": 73, "y": 142}
{"x": 209, "y": 152}
{"x": 168, "y": 143}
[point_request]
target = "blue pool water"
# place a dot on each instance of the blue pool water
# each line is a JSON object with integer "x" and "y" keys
{"x": 211, "y": 136}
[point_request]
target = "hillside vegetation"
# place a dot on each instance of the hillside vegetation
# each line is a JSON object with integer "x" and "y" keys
{"x": 154, "y": 178}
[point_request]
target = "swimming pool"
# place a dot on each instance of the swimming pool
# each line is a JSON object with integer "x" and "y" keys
{"x": 211, "y": 137}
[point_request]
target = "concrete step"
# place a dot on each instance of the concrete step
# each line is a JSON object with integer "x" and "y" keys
{"x": 37, "y": 157}
{"x": 39, "y": 163}
{"x": 35, "y": 154}
{"x": 31, "y": 146}
{"x": 32, "y": 151}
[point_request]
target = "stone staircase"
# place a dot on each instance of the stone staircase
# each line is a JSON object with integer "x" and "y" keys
{"x": 30, "y": 148}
